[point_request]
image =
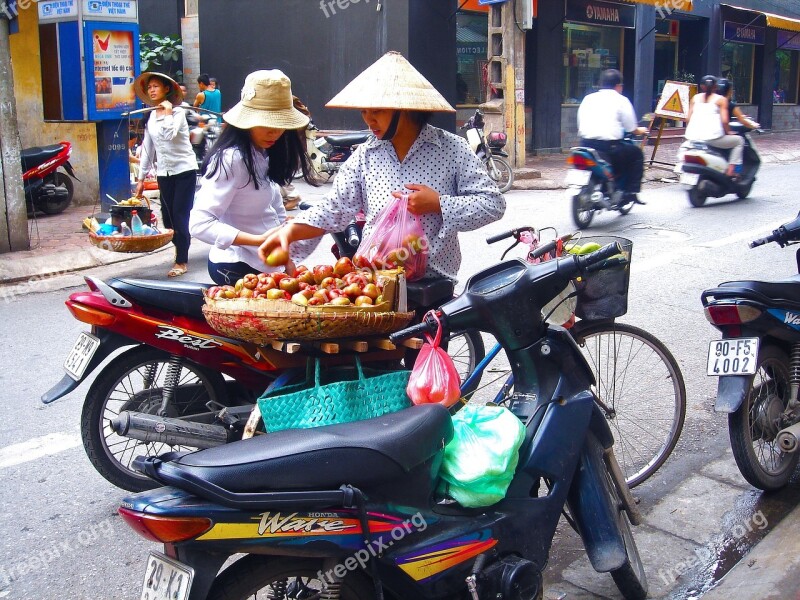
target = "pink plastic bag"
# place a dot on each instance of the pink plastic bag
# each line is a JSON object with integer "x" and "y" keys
{"x": 397, "y": 240}
{"x": 434, "y": 378}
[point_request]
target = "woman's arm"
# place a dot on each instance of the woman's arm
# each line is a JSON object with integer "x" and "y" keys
{"x": 743, "y": 119}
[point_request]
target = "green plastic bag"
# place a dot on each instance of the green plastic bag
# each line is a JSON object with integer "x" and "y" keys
{"x": 480, "y": 461}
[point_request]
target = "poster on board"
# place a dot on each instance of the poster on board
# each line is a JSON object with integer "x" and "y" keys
{"x": 111, "y": 67}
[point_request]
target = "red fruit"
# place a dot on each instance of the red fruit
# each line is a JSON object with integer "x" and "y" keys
{"x": 289, "y": 284}
{"x": 363, "y": 301}
{"x": 328, "y": 282}
{"x": 361, "y": 262}
{"x": 275, "y": 294}
{"x": 343, "y": 266}
{"x": 250, "y": 281}
{"x": 316, "y": 301}
{"x": 322, "y": 272}
{"x": 213, "y": 291}
{"x": 371, "y": 290}
{"x": 341, "y": 301}
{"x": 353, "y": 291}
{"x": 277, "y": 276}
{"x": 278, "y": 257}
{"x": 306, "y": 277}
{"x": 300, "y": 269}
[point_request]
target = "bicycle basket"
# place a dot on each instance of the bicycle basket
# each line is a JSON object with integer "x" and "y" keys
{"x": 341, "y": 399}
{"x": 603, "y": 294}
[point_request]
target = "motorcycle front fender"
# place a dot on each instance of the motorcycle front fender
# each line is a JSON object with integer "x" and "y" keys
{"x": 731, "y": 391}
{"x": 109, "y": 342}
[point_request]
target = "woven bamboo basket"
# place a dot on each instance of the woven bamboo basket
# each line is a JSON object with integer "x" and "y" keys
{"x": 263, "y": 321}
{"x": 131, "y": 243}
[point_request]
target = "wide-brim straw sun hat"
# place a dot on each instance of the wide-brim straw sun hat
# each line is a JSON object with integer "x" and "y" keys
{"x": 140, "y": 86}
{"x": 391, "y": 82}
{"x": 266, "y": 102}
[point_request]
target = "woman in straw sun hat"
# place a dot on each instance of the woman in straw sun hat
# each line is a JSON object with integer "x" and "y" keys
{"x": 166, "y": 144}
{"x": 447, "y": 185}
{"x": 239, "y": 200}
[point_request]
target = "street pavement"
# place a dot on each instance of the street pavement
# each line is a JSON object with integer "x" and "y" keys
{"x": 768, "y": 570}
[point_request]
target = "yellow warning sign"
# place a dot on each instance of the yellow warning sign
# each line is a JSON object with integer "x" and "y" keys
{"x": 674, "y": 100}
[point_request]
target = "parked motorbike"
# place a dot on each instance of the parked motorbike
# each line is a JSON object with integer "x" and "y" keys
{"x": 758, "y": 365}
{"x": 592, "y": 186}
{"x": 328, "y": 152}
{"x": 703, "y": 168}
{"x": 46, "y": 188}
{"x": 490, "y": 150}
{"x": 354, "y": 510}
{"x": 178, "y": 384}
{"x": 204, "y": 129}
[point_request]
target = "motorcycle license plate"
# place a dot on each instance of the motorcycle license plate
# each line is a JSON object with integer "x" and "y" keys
{"x": 689, "y": 178}
{"x": 166, "y": 579}
{"x": 576, "y": 177}
{"x": 732, "y": 357}
{"x": 80, "y": 355}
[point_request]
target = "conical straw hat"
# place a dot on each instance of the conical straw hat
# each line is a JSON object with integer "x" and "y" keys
{"x": 391, "y": 82}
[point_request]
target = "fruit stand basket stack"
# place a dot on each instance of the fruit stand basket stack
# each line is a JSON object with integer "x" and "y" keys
{"x": 263, "y": 321}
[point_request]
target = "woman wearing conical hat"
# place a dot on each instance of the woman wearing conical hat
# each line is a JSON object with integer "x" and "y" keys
{"x": 446, "y": 183}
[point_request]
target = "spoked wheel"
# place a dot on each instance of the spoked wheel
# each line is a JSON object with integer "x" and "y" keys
{"x": 135, "y": 381}
{"x": 641, "y": 392}
{"x": 696, "y": 198}
{"x": 254, "y": 577}
{"x": 500, "y": 171}
{"x": 583, "y": 207}
{"x": 754, "y": 426}
{"x": 467, "y": 350}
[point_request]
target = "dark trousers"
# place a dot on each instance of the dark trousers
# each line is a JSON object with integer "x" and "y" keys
{"x": 177, "y": 199}
{"x": 626, "y": 159}
{"x": 229, "y": 273}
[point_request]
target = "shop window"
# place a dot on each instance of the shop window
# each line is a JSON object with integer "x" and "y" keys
{"x": 786, "y": 69}
{"x": 737, "y": 65}
{"x": 472, "y": 52}
{"x": 587, "y": 52}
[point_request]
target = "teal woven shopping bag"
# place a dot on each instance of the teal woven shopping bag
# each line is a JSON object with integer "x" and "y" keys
{"x": 314, "y": 404}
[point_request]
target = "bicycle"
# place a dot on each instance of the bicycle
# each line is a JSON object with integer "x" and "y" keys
{"x": 629, "y": 364}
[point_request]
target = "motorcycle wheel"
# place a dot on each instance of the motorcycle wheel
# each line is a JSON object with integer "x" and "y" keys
{"x": 255, "y": 576}
{"x": 625, "y": 208}
{"x": 54, "y": 206}
{"x": 754, "y": 426}
{"x": 134, "y": 381}
{"x": 501, "y": 172}
{"x": 696, "y": 198}
{"x": 467, "y": 351}
{"x": 744, "y": 191}
{"x": 582, "y": 209}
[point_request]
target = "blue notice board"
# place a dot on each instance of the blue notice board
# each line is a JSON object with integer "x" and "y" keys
{"x": 111, "y": 65}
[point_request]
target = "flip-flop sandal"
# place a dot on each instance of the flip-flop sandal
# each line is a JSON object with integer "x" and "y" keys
{"x": 176, "y": 271}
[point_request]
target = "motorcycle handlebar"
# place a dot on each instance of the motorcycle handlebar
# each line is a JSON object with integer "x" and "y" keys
{"x": 408, "y": 332}
{"x": 598, "y": 260}
{"x": 507, "y": 234}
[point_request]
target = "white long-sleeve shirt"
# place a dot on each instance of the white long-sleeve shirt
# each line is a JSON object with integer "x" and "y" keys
{"x": 606, "y": 115}
{"x": 227, "y": 204}
{"x": 166, "y": 143}
{"x": 441, "y": 160}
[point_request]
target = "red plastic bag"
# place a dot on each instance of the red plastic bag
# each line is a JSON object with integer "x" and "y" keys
{"x": 434, "y": 378}
{"x": 397, "y": 240}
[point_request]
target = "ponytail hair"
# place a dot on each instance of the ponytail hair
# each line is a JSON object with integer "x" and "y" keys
{"x": 709, "y": 85}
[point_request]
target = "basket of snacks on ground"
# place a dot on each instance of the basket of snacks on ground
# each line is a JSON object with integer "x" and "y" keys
{"x": 131, "y": 228}
{"x": 326, "y": 302}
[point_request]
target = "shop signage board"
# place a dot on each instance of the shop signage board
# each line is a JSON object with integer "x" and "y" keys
{"x": 744, "y": 34}
{"x": 788, "y": 40}
{"x": 674, "y": 101}
{"x": 125, "y": 10}
{"x": 598, "y": 12}
{"x": 57, "y": 9}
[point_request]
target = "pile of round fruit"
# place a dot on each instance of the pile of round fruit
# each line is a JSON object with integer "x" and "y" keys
{"x": 338, "y": 285}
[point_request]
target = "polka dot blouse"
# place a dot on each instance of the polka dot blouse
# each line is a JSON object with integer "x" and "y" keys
{"x": 438, "y": 159}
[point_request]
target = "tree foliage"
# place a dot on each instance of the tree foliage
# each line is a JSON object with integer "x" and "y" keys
{"x": 161, "y": 53}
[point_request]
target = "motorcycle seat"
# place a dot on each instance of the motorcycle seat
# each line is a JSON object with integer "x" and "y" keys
{"x": 178, "y": 298}
{"x": 600, "y": 157}
{"x": 348, "y": 139}
{"x": 429, "y": 292}
{"x": 787, "y": 290}
{"x": 33, "y": 157}
{"x": 363, "y": 454}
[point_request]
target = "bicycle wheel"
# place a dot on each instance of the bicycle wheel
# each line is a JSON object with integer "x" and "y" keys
{"x": 641, "y": 391}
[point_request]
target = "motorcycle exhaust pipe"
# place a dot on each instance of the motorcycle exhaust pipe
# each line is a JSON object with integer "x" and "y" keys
{"x": 166, "y": 430}
{"x": 789, "y": 438}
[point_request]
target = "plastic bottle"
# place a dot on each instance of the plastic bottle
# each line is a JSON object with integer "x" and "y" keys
{"x": 136, "y": 224}
{"x": 125, "y": 229}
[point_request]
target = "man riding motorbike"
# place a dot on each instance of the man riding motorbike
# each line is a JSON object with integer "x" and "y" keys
{"x": 604, "y": 117}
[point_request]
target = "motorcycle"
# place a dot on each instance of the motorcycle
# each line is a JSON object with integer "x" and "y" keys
{"x": 490, "y": 150}
{"x": 46, "y": 188}
{"x": 328, "y": 152}
{"x": 355, "y": 511}
{"x": 758, "y": 362}
{"x": 591, "y": 184}
{"x": 204, "y": 129}
{"x": 178, "y": 383}
{"x": 703, "y": 168}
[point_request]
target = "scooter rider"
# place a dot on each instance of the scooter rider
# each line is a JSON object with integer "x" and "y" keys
{"x": 445, "y": 181}
{"x": 604, "y": 118}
